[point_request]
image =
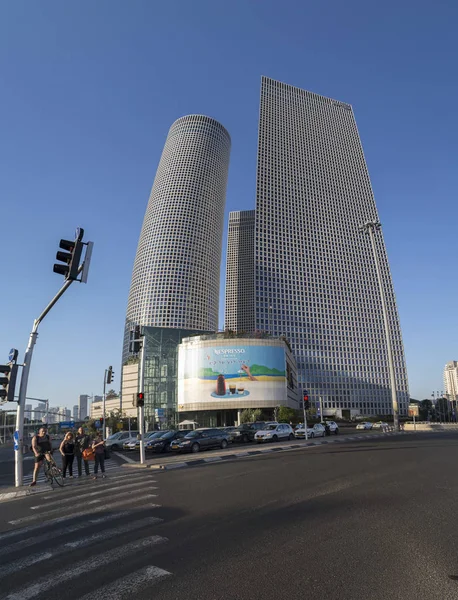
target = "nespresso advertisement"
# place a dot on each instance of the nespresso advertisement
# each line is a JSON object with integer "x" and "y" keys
{"x": 230, "y": 373}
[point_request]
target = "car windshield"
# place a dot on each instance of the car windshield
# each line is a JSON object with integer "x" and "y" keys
{"x": 167, "y": 435}
{"x": 270, "y": 427}
{"x": 154, "y": 435}
{"x": 192, "y": 434}
{"x": 115, "y": 436}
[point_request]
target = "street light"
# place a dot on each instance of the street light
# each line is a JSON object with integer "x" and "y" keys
{"x": 371, "y": 227}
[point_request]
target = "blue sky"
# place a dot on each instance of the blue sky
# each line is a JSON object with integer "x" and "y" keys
{"x": 90, "y": 89}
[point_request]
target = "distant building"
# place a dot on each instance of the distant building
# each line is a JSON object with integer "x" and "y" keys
{"x": 76, "y": 413}
{"x": 97, "y": 399}
{"x": 82, "y": 406}
{"x": 38, "y": 414}
{"x": 240, "y": 297}
{"x": 28, "y": 411}
{"x": 112, "y": 405}
{"x": 451, "y": 380}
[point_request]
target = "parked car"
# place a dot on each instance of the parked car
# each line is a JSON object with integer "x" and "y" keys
{"x": 116, "y": 440}
{"x": 273, "y": 432}
{"x": 380, "y": 425}
{"x": 163, "y": 443}
{"x": 135, "y": 443}
{"x": 364, "y": 425}
{"x": 333, "y": 427}
{"x": 230, "y": 432}
{"x": 317, "y": 430}
{"x": 244, "y": 433}
{"x": 201, "y": 439}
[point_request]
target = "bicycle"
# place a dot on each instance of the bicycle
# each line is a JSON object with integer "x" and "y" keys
{"x": 52, "y": 472}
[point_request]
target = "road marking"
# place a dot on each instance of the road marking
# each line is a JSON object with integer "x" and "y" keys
{"x": 212, "y": 459}
{"x": 82, "y": 513}
{"x": 98, "y": 493}
{"x": 43, "y": 584}
{"x": 19, "y": 565}
{"x": 50, "y": 535}
{"x": 124, "y": 457}
{"x": 124, "y": 587}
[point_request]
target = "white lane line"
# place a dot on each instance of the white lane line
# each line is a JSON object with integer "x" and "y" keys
{"x": 124, "y": 457}
{"x": 19, "y": 565}
{"x": 82, "y": 513}
{"x": 43, "y": 584}
{"x": 98, "y": 493}
{"x": 124, "y": 587}
{"x": 50, "y": 535}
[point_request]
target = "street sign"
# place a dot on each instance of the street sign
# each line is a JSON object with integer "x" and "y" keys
{"x": 16, "y": 439}
{"x": 414, "y": 410}
{"x": 12, "y": 356}
{"x": 67, "y": 424}
{"x": 97, "y": 425}
{"x": 160, "y": 412}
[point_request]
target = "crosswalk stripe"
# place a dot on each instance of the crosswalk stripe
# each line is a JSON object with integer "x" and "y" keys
{"x": 97, "y": 493}
{"x": 43, "y": 584}
{"x": 124, "y": 587}
{"x": 108, "y": 467}
{"x": 50, "y": 535}
{"x": 19, "y": 565}
{"x": 82, "y": 513}
{"x": 102, "y": 483}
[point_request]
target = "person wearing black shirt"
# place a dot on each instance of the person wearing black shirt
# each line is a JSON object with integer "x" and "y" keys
{"x": 41, "y": 446}
{"x": 82, "y": 442}
{"x": 67, "y": 449}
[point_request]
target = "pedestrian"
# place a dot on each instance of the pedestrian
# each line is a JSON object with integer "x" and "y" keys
{"x": 67, "y": 449}
{"x": 82, "y": 442}
{"x": 42, "y": 448}
{"x": 98, "y": 445}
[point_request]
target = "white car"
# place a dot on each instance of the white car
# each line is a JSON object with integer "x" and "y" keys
{"x": 116, "y": 440}
{"x": 364, "y": 425}
{"x": 380, "y": 425}
{"x": 317, "y": 430}
{"x": 333, "y": 427}
{"x": 273, "y": 432}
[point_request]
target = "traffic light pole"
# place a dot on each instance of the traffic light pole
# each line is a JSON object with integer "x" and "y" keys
{"x": 141, "y": 409}
{"x": 19, "y": 433}
{"x": 104, "y": 427}
{"x": 305, "y": 420}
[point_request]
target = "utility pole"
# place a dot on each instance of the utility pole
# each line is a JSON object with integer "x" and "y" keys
{"x": 371, "y": 227}
{"x": 141, "y": 400}
{"x": 71, "y": 269}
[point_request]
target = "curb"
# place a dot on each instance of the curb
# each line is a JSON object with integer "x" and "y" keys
{"x": 6, "y": 496}
{"x": 250, "y": 453}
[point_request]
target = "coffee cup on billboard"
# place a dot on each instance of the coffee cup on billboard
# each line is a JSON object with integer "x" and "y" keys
{"x": 232, "y": 388}
{"x": 220, "y": 385}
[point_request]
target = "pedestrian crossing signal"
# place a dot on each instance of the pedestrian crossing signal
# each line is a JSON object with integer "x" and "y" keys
{"x": 140, "y": 399}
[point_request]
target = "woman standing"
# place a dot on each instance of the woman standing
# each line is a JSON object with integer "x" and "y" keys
{"x": 67, "y": 449}
{"x": 98, "y": 445}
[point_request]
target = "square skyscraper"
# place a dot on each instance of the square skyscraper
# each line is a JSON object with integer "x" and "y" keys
{"x": 315, "y": 275}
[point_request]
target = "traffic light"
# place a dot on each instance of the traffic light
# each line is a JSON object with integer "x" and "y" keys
{"x": 71, "y": 257}
{"x": 136, "y": 344}
{"x": 140, "y": 399}
{"x": 306, "y": 402}
{"x": 101, "y": 421}
{"x": 110, "y": 374}
{"x": 8, "y": 382}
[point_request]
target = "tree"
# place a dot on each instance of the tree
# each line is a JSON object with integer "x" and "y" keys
{"x": 286, "y": 415}
{"x": 111, "y": 394}
{"x": 426, "y": 409}
{"x": 250, "y": 415}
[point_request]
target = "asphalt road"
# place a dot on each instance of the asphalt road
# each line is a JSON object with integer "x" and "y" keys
{"x": 370, "y": 519}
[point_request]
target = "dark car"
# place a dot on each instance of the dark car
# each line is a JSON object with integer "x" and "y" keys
{"x": 201, "y": 439}
{"x": 162, "y": 443}
{"x": 244, "y": 433}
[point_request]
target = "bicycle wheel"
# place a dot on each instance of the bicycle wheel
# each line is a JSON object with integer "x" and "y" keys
{"x": 47, "y": 474}
{"x": 56, "y": 474}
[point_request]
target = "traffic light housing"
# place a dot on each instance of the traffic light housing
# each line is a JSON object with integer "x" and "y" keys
{"x": 110, "y": 374}
{"x": 306, "y": 402}
{"x": 8, "y": 382}
{"x": 101, "y": 421}
{"x": 71, "y": 257}
{"x": 140, "y": 399}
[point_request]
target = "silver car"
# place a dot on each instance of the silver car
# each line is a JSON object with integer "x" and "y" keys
{"x": 273, "y": 432}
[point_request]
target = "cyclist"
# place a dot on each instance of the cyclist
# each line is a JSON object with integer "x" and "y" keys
{"x": 42, "y": 448}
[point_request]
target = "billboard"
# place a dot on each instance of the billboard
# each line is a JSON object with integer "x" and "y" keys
{"x": 230, "y": 373}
